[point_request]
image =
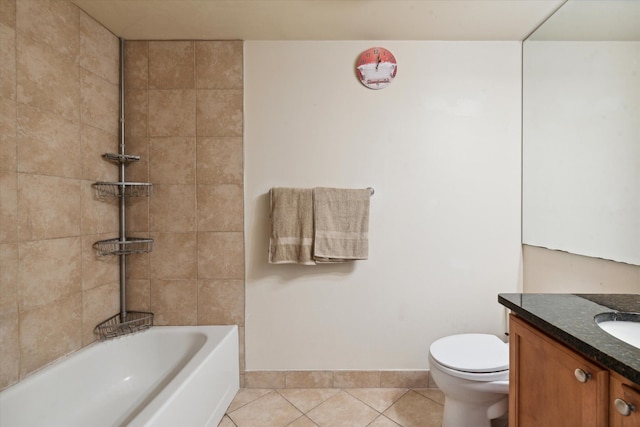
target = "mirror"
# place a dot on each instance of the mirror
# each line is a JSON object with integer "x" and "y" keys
{"x": 581, "y": 131}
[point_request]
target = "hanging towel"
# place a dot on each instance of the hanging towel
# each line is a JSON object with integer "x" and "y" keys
{"x": 291, "y": 240}
{"x": 341, "y": 221}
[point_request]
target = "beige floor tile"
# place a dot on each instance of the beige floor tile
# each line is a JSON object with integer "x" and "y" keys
{"x": 342, "y": 410}
{"x": 226, "y": 422}
{"x": 383, "y": 421}
{"x": 247, "y": 395}
{"x": 271, "y": 410}
{"x": 415, "y": 410}
{"x": 431, "y": 393}
{"x": 379, "y": 399}
{"x": 303, "y": 421}
{"x": 307, "y": 399}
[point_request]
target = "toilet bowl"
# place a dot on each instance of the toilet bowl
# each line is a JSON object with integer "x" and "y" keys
{"x": 472, "y": 370}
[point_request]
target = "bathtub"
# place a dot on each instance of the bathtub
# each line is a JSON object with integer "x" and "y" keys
{"x": 165, "y": 376}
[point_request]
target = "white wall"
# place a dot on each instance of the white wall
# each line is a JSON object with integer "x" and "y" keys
{"x": 441, "y": 147}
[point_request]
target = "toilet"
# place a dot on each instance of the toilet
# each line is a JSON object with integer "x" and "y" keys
{"x": 472, "y": 370}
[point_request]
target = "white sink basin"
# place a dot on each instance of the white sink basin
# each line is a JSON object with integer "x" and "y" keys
{"x": 624, "y": 326}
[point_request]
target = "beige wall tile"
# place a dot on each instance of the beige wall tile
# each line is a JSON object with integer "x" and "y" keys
{"x": 220, "y": 255}
{"x": 138, "y": 146}
{"x": 219, "y": 160}
{"x": 100, "y": 102}
{"x": 172, "y": 160}
{"x": 8, "y": 278}
{"x": 95, "y": 143}
{"x": 136, "y": 65}
{"x": 171, "y": 65}
{"x": 138, "y": 266}
{"x": 138, "y": 294}
{"x": 54, "y": 23}
{"x": 97, "y": 270}
{"x": 99, "y": 50}
{"x": 172, "y": 302}
{"x": 43, "y": 213}
{"x": 219, "y": 64}
{"x": 264, "y": 379}
{"x": 172, "y": 208}
{"x": 219, "y": 112}
{"x": 309, "y": 379}
{"x": 172, "y": 112}
{"x": 356, "y": 379}
{"x": 9, "y": 350}
{"x": 99, "y": 215}
{"x": 48, "y": 144}
{"x": 49, "y": 332}
{"x": 47, "y": 79}
{"x": 8, "y": 131}
{"x": 98, "y": 304}
{"x": 8, "y": 13}
{"x": 220, "y": 207}
{"x": 241, "y": 355}
{"x": 137, "y": 214}
{"x": 136, "y": 113}
{"x": 8, "y": 206}
{"x": 173, "y": 256}
{"x": 7, "y": 62}
{"x": 49, "y": 270}
{"x": 221, "y": 302}
{"x": 404, "y": 379}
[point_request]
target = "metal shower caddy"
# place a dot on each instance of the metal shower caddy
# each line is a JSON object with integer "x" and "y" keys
{"x": 125, "y": 322}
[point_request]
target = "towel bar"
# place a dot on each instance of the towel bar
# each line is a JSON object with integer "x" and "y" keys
{"x": 371, "y": 190}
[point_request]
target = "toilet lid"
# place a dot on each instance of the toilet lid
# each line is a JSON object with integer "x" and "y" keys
{"x": 471, "y": 353}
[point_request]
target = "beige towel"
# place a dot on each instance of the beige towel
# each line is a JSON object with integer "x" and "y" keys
{"x": 291, "y": 239}
{"x": 341, "y": 221}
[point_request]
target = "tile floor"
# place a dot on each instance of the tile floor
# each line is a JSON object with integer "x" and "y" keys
{"x": 353, "y": 407}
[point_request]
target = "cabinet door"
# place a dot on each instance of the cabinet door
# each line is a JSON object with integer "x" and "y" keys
{"x": 628, "y": 395}
{"x": 551, "y": 385}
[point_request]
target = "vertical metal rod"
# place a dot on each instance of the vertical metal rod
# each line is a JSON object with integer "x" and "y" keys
{"x": 122, "y": 233}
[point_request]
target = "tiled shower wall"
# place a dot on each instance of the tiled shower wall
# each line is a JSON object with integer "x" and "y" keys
{"x": 58, "y": 113}
{"x": 184, "y": 117}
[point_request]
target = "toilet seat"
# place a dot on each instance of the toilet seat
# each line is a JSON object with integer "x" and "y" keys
{"x": 471, "y": 353}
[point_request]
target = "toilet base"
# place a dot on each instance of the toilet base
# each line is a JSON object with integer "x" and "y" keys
{"x": 457, "y": 413}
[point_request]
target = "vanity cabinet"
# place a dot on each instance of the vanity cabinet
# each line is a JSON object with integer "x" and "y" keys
{"x": 624, "y": 401}
{"x": 551, "y": 385}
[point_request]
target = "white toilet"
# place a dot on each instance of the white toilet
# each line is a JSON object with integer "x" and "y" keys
{"x": 472, "y": 370}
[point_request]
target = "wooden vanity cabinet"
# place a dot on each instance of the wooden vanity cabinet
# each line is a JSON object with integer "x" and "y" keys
{"x": 551, "y": 385}
{"x": 626, "y": 411}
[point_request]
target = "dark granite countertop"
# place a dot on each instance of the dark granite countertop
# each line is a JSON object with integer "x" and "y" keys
{"x": 569, "y": 319}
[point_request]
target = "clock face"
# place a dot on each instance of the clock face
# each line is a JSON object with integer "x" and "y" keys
{"x": 376, "y": 68}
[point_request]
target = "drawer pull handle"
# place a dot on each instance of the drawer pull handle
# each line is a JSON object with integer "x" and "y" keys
{"x": 582, "y": 375}
{"x": 623, "y": 407}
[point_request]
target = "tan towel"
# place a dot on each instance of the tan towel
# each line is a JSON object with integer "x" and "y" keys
{"x": 341, "y": 221}
{"x": 291, "y": 239}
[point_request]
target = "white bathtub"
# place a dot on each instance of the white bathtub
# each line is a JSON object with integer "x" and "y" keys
{"x": 166, "y": 376}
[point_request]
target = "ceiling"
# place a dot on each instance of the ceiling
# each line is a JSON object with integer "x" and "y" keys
{"x": 321, "y": 19}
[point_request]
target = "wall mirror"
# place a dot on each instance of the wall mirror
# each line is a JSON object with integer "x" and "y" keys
{"x": 581, "y": 131}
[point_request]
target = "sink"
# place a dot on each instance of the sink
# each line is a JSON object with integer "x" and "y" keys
{"x": 624, "y": 326}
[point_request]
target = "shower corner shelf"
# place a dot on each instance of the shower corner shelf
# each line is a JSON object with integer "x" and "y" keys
{"x": 130, "y": 245}
{"x": 115, "y": 326}
{"x": 123, "y": 189}
{"x": 121, "y": 158}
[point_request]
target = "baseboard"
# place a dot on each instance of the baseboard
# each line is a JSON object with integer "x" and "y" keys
{"x": 337, "y": 379}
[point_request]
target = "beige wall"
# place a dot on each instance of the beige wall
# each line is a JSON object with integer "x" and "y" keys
{"x": 59, "y": 106}
{"x": 551, "y": 271}
{"x": 59, "y": 110}
{"x": 184, "y": 116}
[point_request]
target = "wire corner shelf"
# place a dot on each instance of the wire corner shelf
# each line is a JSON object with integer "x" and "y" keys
{"x": 123, "y": 189}
{"x": 113, "y": 327}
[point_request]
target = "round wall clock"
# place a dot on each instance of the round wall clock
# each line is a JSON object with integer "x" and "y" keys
{"x": 376, "y": 68}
